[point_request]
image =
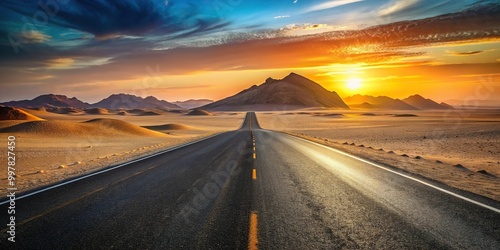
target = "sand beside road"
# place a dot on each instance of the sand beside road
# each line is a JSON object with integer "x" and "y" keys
{"x": 67, "y": 145}
{"x": 458, "y": 148}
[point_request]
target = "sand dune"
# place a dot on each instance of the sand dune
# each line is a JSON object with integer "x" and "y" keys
{"x": 122, "y": 127}
{"x": 177, "y": 111}
{"x": 122, "y": 113}
{"x": 40, "y": 109}
{"x": 148, "y": 113}
{"x": 330, "y": 115}
{"x": 97, "y": 111}
{"x": 8, "y": 113}
{"x": 171, "y": 126}
{"x": 10, "y": 123}
{"x": 50, "y": 128}
{"x": 101, "y": 127}
{"x": 199, "y": 112}
{"x": 66, "y": 111}
{"x": 135, "y": 111}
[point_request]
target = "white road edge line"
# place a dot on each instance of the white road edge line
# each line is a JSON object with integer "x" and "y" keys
{"x": 403, "y": 175}
{"x": 109, "y": 169}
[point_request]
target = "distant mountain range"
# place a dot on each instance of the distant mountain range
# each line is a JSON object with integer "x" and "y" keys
{"x": 115, "y": 101}
{"x": 118, "y": 101}
{"x": 192, "y": 103}
{"x": 419, "y": 102}
{"x": 414, "y": 102}
{"x": 293, "y": 91}
{"x": 49, "y": 101}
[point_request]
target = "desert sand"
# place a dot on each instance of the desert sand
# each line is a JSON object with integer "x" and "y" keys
{"x": 457, "y": 148}
{"x": 54, "y": 146}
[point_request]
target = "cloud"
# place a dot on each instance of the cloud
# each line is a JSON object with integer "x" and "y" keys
{"x": 307, "y": 29}
{"x": 384, "y": 43}
{"x": 468, "y": 53}
{"x": 331, "y": 4}
{"x": 108, "y": 18}
{"x": 278, "y": 17}
{"x": 174, "y": 88}
{"x": 307, "y": 26}
{"x": 60, "y": 62}
{"x": 397, "y": 6}
{"x": 32, "y": 37}
{"x": 381, "y": 44}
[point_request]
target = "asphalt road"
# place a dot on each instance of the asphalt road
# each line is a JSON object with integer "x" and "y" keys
{"x": 222, "y": 193}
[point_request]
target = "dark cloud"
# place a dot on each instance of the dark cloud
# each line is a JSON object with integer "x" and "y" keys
{"x": 108, "y": 18}
{"x": 478, "y": 22}
{"x": 468, "y": 53}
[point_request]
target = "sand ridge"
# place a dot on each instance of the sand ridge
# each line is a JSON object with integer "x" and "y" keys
{"x": 123, "y": 127}
{"x": 148, "y": 113}
{"x": 100, "y": 126}
{"x": 199, "y": 112}
{"x": 171, "y": 126}
{"x": 9, "y": 113}
{"x": 97, "y": 111}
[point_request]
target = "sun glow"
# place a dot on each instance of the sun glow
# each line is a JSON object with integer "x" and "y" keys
{"x": 354, "y": 83}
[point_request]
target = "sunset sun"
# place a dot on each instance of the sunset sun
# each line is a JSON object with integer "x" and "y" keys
{"x": 353, "y": 83}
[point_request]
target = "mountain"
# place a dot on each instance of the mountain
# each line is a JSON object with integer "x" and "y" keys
{"x": 363, "y": 105}
{"x": 191, "y": 104}
{"x": 422, "y": 103}
{"x": 397, "y": 104}
{"x": 293, "y": 91}
{"x": 49, "y": 100}
{"x": 414, "y": 102}
{"x": 373, "y": 100}
{"x": 117, "y": 101}
{"x": 446, "y": 105}
{"x": 377, "y": 102}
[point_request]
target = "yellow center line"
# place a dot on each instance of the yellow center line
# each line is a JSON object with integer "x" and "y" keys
{"x": 254, "y": 174}
{"x": 253, "y": 241}
{"x": 254, "y": 156}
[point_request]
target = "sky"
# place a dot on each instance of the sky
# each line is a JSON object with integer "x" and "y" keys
{"x": 184, "y": 49}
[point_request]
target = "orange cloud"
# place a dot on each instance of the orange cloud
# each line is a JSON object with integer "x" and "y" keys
{"x": 60, "y": 62}
{"x": 32, "y": 37}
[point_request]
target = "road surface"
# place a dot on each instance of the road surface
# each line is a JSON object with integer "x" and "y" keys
{"x": 248, "y": 189}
